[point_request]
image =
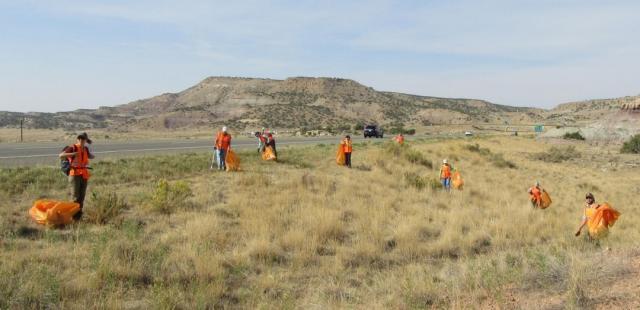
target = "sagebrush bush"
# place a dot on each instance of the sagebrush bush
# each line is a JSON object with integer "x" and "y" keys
{"x": 632, "y": 146}
{"x": 105, "y": 207}
{"x": 168, "y": 197}
{"x": 573, "y": 136}
{"x": 558, "y": 154}
{"x": 416, "y": 157}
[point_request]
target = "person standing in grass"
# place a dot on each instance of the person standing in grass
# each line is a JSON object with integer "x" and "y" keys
{"x": 598, "y": 218}
{"x": 445, "y": 175}
{"x": 535, "y": 193}
{"x": 78, "y": 156}
{"x": 262, "y": 141}
{"x": 222, "y": 146}
{"x": 347, "y": 147}
{"x": 400, "y": 139}
{"x": 271, "y": 141}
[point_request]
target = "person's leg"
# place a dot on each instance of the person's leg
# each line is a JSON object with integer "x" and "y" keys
{"x": 77, "y": 187}
{"x": 347, "y": 159}
{"x": 223, "y": 158}
{"x": 219, "y": 158}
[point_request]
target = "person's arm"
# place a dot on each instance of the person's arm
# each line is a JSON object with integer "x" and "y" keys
{"x": 66, "y": 153}
{"x": 584, "y": 222}
{"x": 91, "y": 156}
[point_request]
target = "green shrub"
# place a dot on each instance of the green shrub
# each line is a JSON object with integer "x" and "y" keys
{"x": 573, "y": 136}
{"x": 415, "y": 157}
{"x": 497, "y": 160}
{"x": 358, "y": 126}
{"x": 632, "y": 146}
{"x": 168, "y": 197}
{"x": 558, "y": 154}
{"x": 105, "y": 207}
{"x": 415, "y": 180}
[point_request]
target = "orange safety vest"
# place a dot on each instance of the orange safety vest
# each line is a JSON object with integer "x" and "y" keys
{"x": 446, "y": 171}
{"x": 535, "y": 193}
{"x": 223, "y": 141}
{"x": 347, "y": 146}
{"x": 80, "y": 162}
{"x": 400, "y": 139}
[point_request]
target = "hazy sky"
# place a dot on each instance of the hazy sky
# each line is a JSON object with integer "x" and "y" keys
{"x": 60, "y": 55}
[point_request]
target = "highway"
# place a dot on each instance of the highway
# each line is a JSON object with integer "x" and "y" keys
{"x": 46, "y": 153}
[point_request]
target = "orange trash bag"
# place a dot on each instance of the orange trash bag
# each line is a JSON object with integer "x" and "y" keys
{"x": 545, "y": 200}
{"x": 268, "y": 154}
{"x": 232, "y": 161}
{"x": 341, "y": 159}
{"x": 457, "y": 181}
{"x": 603, "y": 218}
{"x": 51, "y": 212}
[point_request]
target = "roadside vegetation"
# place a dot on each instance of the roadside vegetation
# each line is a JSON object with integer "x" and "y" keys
{"x": 632, "y": 146}
{"x": 573, "y": 136}
{"x": 166, "y": 232}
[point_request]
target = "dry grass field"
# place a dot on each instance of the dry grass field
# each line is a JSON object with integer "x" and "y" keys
{"x": 165, "y": 232}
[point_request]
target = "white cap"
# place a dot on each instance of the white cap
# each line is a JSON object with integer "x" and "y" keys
{"x": 224, "y": 128}
{"x": 444, "y": 161}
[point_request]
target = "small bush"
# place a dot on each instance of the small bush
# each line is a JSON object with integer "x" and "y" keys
{"x": 499, "y": 161}
{"x": 168, "y": 197}
{"x": 105, "y": 207}
{"x": 573, "y": 136}
{"x": 415, "y": 157}
{"x": 632, "y": 146}
{"x": 415, "y": 180}
{"x": 558, "y": 154}
{"x": 477, "y": 149}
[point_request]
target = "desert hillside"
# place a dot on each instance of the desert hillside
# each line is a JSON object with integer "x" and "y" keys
{"x": 299, "y": 102}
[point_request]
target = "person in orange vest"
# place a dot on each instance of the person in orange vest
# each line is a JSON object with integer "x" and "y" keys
{"x": 400, "y": 139}
{"x": 78, "y": 156}
{"x": 271, "y": 141}
{"x": 222, "y": 146}
{"x": 535, "y": 193}
{"x": 347, "y": 147}
{"x": 598, "y": 218}
{"x": 445, "y": 175}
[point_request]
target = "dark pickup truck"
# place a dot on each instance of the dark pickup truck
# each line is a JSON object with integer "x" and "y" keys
{"x": 371, "y": 131}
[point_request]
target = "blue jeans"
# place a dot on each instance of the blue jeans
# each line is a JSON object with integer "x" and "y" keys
{"x": 446, "y": 183}
{"x": 221, "y": 156}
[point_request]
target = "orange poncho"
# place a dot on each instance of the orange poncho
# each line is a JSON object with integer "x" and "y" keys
{"x": 600, "y": 219}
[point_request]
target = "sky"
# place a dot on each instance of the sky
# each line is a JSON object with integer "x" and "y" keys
{"x": 61, "y": 55}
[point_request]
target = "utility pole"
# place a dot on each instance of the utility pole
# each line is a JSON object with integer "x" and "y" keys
{"x": 21, "y": 125}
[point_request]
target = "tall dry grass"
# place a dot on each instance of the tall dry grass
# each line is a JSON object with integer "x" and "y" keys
{"x": 306, "y": 233}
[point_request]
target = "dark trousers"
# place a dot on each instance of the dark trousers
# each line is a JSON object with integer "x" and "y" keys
{"x": 347, "y": 159}
{"x": 79, "y": 188}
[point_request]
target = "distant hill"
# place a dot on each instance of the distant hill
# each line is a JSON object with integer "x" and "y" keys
{"x": 291, "y": 103}
{"x": 613, "y": 120}
{"x": 589, "y": 111}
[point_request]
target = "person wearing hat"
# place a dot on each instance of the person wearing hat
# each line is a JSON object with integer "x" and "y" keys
{"x": 535, "y": 193}
{"x": 445, "y": 175}
{"x": 347, "y": 147}
{"x": 78, "y": 156}
{"x": 222, "y": 146}
{"x": 598, "y": 218}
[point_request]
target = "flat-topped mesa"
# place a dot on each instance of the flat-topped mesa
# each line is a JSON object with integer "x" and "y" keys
{"x": 322, "y": 86}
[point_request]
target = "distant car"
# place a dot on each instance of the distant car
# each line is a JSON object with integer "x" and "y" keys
{"x": 371, "y": 131}
{"x": 468, "y": 133}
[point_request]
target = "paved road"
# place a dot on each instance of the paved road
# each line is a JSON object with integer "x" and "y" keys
{"x": 23, "y": 154}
